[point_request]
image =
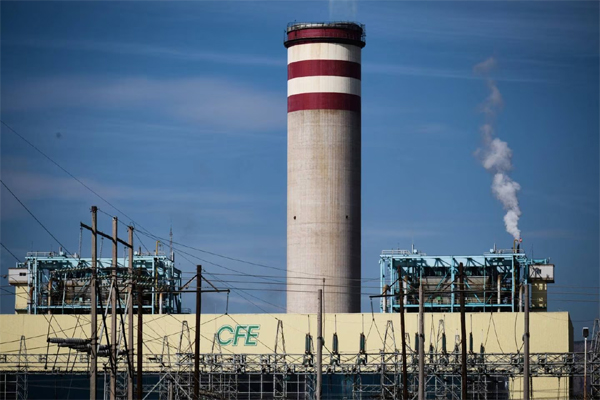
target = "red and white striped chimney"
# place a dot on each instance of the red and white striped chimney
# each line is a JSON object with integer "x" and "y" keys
{"x": 324, "y": 166}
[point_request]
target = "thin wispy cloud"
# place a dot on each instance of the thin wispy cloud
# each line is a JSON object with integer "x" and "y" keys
{"x": 204, "y": 101}
{"x": 197, "y": 205}
{"x": 436, "y": 129}
{"x": 393, "y": 234}
{"x": 146, "y": 50}
{"x": 43, "y": 186}
{"x": 429, "y": 72}
{"x": 580, "y": 203}
{"x": 557, "y": 233}
{"x": 449, "y": 23}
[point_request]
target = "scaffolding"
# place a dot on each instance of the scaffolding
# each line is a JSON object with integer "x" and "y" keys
{"x": 594, "y": 360}
{"x": 57, "y": 283}
{"x": 494, "y": 281}
{"x": 254, "y": 376}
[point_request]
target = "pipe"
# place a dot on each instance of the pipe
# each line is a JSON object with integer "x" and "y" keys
{"x": 385, "y": 301}
{"x": 139, "y": 387}
{"x": 499, "y": 288}
{"x": 463, "y": 334}
{"x": 403, "y": 333}
{"x": 319, "y": 368}
{"x": 526, "y": 394}
{"x": 130, "y": 271}
{"x": 49, "y": 293}
{"x": 421, "y": 344}
{"x": 521, "y": 297}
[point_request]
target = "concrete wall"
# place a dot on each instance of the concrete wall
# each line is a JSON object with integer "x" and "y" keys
{"x": 323, "y": 210}
{"x": 499, "y": 332}
{"x": 21, "y": 298}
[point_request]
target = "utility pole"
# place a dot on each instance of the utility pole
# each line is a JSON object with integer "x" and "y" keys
{"x": 586, "y": 333}
{"x": 421, "y": 342}
{"x": 197, "y": 334}
{"x": 140, "y": 336}
{"x": 113, "y": 313}
{"x": 96, "y": 295}
{"x": 526, "y": 344}
{"x": 463, "y": 334}
{"x": 403, "y": 333}
{"x": 94, "y": 309}
{"x": 319, "y": 347}
{"x": 130, "y": 316}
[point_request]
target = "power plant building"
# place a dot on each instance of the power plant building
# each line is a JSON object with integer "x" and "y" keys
{"x": 45, "y": 347}
{"x": 273, "y": 356}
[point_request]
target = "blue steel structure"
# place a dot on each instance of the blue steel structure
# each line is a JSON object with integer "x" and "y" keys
{"x": 58, "y": 283}
{"x": 493, "y": 281}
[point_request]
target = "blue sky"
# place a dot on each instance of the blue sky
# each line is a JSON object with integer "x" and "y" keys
{"x": 176, "y": 113}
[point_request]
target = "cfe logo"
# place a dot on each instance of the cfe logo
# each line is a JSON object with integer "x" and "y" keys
{"x": 227, "y": 335}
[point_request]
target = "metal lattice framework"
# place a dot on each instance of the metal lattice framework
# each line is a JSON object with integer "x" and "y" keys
{"x": 236, "y": 376}
{"x": 493, "y": 280}
{"x": 594, "y": 361}
{"x": 60, "y": 283}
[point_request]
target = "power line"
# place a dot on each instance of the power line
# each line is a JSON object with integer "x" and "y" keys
{"x": 229, "y": 286}
{"x": 246, "y": 289}
{"x": 148, "y": 233}
{"x": 299, "y": 284}
{"x": 320, "y": 279}
{"x": 63, "y": 169}
{"x": 155, "y": 237}
{"x": 10, "y": 252}
{"x": 215, "y": 264}
{"x": 143, "y": 245}
{"x": 34, "y": 217}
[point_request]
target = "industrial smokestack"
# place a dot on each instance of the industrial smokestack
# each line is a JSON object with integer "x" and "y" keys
{"x": 324, "y": 166}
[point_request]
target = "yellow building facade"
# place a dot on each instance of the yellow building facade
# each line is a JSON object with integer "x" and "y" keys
{"x": 262, "y": 334}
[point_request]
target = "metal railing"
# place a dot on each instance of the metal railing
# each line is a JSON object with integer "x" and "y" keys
{"x": 348, "y": 25}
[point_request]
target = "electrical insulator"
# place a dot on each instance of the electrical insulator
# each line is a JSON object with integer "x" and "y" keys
{"x": 417, "y": 343}
{"x": 444, "y": 342}
{"x": 335, "y": 343}
{"x": 307, "y": 343}
{"x": 471, "y": 342}
{"x": 363, "y": 343}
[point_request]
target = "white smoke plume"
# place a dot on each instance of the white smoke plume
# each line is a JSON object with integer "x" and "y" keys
{"x": 486, "y": 66}
{"x": 495, "y": 155}
{"x": 343, "y": 10}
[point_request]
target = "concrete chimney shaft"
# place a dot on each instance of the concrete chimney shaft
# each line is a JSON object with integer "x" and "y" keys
{"x": 324, "y": 166}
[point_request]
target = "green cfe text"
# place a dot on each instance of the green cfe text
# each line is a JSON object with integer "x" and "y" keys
{"x": 227, "y": 335}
